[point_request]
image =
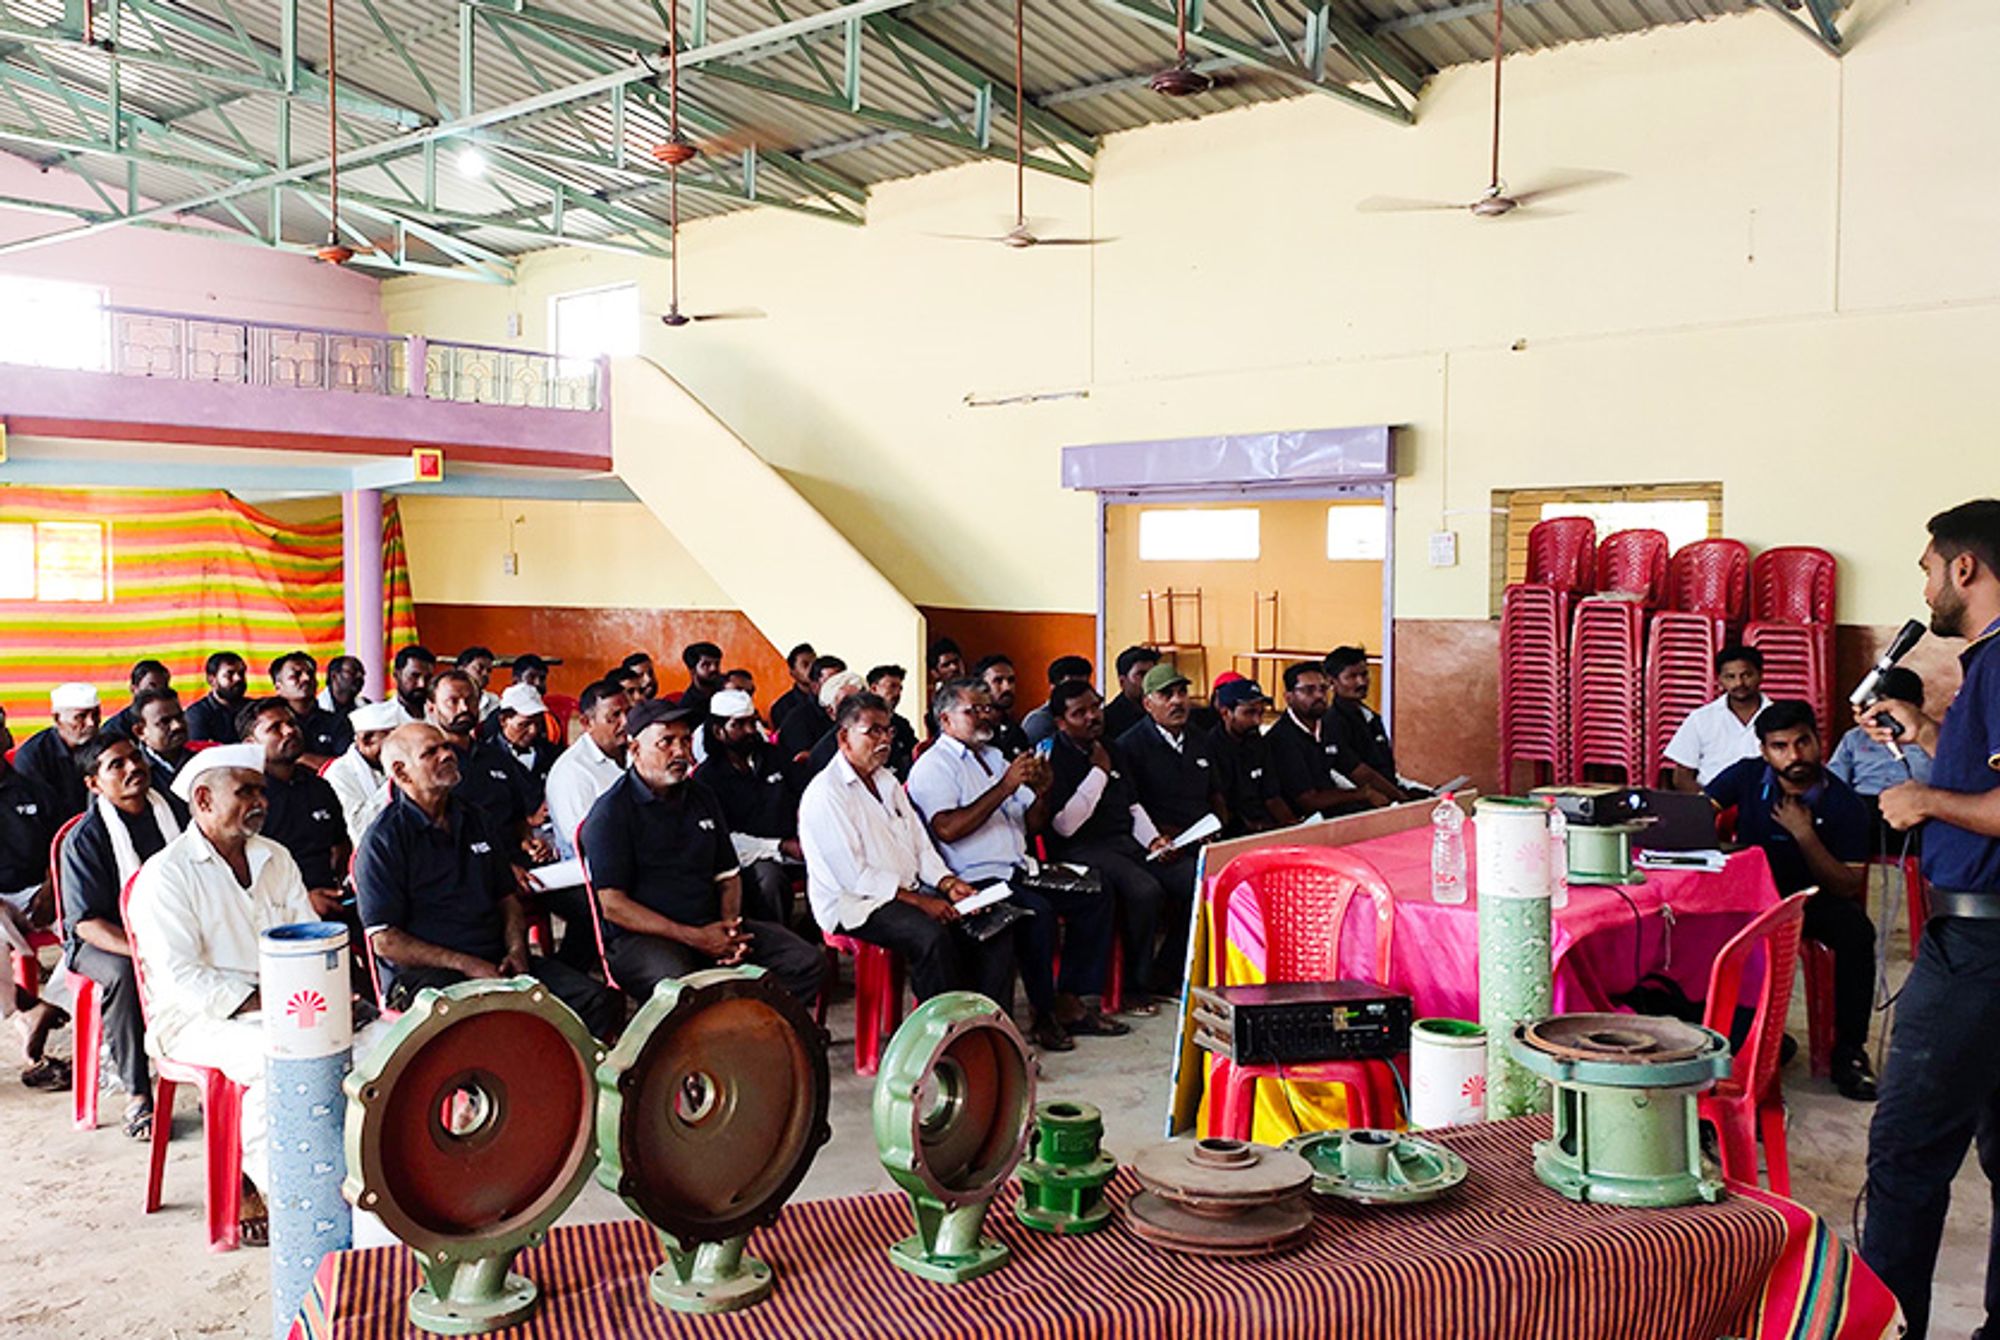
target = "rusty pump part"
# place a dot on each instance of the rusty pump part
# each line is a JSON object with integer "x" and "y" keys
{"x": 710, "y": 1110}
{"x": 1220, "y": 1197}
{"x": 1626, "y": 1130}
{"x": 952, "y": 1103}
{"x": 469, "y": 1133}
{"x": 1062, "y": 1182}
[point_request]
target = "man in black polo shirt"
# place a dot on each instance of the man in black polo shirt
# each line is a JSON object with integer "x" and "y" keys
{"x": 487, "y": 778}
{"x": 160, "y": 729}
{"x": 997, "y": 673}
{"x": 886, "y": 683}
{"x": 145, "y": 675}
{"x": 704, "y": 666}
{"x": 97, "y": 861}
{"x": 415, "y": 665}
{"x": 1099, "y": 822}
{"x": 436, "y": 894}
{"x": 799, "y": 662}
{"x": 1815, "y": 831}
{"x": 946, "y": 663}
{"x": 51, "y": 756}
{"x": 1358, "y": 728}
{"x": 1240, "y": 754}
{"x": 213, "y": 719}
{"x": 802, "y": 729}
{"x": 1124, "y": 708}
{"x": 27, "y": 825}
{"x": 747, "y": 777}
{"x": 295, "y": 677}
{"x": 304, "y": 815}
{"x": 1310, "y": 761}
{"x": 665, "y": 873}
{"x": 1941, "y": 1084}
{"x": 1171, "y": 771}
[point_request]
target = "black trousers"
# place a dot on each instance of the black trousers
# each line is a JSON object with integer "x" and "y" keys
{"x": 601, "y": 1011}
{"x": 1842, "y": 925}
{"x": 767, "y": 893}
{"x": 642, "y": 962}
{"x": 1940, "y": 1091}
{"x": 942, "y": 958}
{"x": 579, "y": 942}
{"x": 118, "y": 1006}
{"x": 1153, "y": 899}
{"x": 1081, "y": 923}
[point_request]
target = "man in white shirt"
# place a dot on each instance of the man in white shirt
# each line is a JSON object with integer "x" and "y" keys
{"x": 980, "y": 808}
{"x": 194, "y": 917}
{"x": 357, "y": 776}
{"x": 1724, "y": 731}
{"x": 589, "y": 767}
{"x": 872, "y": 873}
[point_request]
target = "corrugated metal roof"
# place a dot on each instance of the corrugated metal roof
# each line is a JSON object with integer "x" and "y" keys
{"x": 1087, "y": 64}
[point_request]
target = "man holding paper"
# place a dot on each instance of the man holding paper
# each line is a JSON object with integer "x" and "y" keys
{"x": 980, "y": 808}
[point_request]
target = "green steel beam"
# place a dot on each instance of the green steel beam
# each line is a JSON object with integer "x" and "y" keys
{"x": 1822, "y": 31}
{"x": 980, "y": 68}
{"x": 1165, "y": 20}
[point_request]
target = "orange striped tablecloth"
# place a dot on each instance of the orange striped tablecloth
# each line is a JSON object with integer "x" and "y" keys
{"x": 1501, "y": 1257}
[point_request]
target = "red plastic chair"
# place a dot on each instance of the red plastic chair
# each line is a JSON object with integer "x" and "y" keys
{"x": 1711, "y": 577}
{"x": 1562, "y": 552}
{"x": 1305, "y": 894}
{"x": 878, "y": 998}
{"x": 221, "y": 1118}
{"x": 596, "y": 912}
{"x": 1793, "y": 584}
{"x": 561, "y": 707}
{"x": 1751, "y": 1100}
{"x": 1634, "y": 562}
{"x": 86, "y": 1017}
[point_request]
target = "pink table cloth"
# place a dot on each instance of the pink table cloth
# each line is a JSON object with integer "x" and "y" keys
{"x": 1605, "y": 939}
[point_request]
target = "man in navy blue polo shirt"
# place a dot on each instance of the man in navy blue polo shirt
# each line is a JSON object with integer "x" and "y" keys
{"x": 1815, "y": 831}
{"x": 665, "y": 872}
{"x": 436, "y": 893}
{"x": 1941, "y": 1084}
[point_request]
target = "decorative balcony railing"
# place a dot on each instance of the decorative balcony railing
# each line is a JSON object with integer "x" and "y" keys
{"x": 179, "y": 346}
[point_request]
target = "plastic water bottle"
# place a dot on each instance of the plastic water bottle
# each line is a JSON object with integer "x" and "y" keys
{"x": 1447, "y": 852}
{"x": 1558, "y": 859}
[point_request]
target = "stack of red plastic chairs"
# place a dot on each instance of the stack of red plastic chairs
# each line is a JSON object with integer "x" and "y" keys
{"x": 1607, "y": 655}
{"x": 1707, "y": 593}
{"x": 1534, "y": 648}
{"x": 1791, "y": 623}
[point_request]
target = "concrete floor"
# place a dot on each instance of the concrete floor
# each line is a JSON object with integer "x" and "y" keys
{"x": 81, "y": 1263}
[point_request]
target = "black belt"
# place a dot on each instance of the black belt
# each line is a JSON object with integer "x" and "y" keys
{"x": 1971, "y": 906}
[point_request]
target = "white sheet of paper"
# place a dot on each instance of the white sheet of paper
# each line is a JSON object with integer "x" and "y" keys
{"x": 561, "y": 875}
{"x": 985, "y": 898}
{"x": 1205, "y": 827}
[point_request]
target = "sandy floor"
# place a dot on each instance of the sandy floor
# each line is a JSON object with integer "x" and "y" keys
{"x": 81, "y": 1263}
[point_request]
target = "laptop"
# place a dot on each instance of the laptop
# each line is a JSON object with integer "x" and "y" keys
{"x": 1681, "y": 822}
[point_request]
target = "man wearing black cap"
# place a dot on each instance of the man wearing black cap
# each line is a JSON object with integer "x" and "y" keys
{"x": 1241, "y": 759}
{"x": 1170, "y": 769}
{"x": 665, "y": 874}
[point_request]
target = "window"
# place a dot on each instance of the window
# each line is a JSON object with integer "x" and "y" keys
{"x": 54, "y": 561}
{"x": 1685, "y": 512}
{"x": 1357, "y": 532}
{"x": 1206, "y": 535}
{"x": 52, "y": 323}
{"x": 596, "y": 322}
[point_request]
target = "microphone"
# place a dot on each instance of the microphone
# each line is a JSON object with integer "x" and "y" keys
{"x": 1865, "y": 692}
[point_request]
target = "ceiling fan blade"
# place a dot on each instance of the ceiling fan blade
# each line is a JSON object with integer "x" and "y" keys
{"x": 1563, "y": 183}
{"x": 1073, "y": 241}
{"x": 738, "y": 314}
{"x": 1396, "y": 204}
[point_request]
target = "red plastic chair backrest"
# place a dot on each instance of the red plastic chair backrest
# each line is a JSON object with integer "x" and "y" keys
{"x": 596, "y": 912}
{"x": 322, "y": 768}
{"x": 1772, "y": 938}
{"x": 1711, "y": 577}
{"x": 1792, "y": 584}
{"x": 1562, "y": 552}
{"x": 1304, "y": 894}
{"x": 132, "y": 943}
{"x": 55, "y": 866}
{"x": 1634, "y": 561}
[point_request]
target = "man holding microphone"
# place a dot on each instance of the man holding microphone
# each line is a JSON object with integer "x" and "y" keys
{"x": 1941, "y": 1086}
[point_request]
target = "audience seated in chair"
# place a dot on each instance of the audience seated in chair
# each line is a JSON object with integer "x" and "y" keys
{"x": 437, "y": 896}
{"x": 50, "y": 755}
{"x": 997, "y": 673}
{"x": 836, "y": 689}
{"x": 295, "y": 678}
{"x": 799, "y": 731}
{"x": 521, "y": 731}
{"x": 587, "y": 768}
{"x": 1240, "y": 754}
{"x": 345, "y": 678}
{"x": 1723, "y": 731}
{"x": 356, "y": 776}
{"x": 747, "y": 777}
{"x": 872, "y": 873}
{"x": 302, "y": 814}
{"x": 945, "y": 662}
{"x": 1869, "y": 767}
{"x": 1316, "y": 774}
{"x": 414, "y": 669}
{"x": 801, "y": 693}
{"x": 1816, "y": 832}
{"x": 666, "y": 875}
{"x": 1040, "y": 724}
{"x": 886, "y": 683}
{"x": 1124, "y": 709}
{"x": 1097, "y": 821}
{"x": 212, "y": 719}
{"x": 28, "y": 823}
{"x": 476, "y": 662}
{"x": 1361, "y": 731}
{"x": 159, "y": 727}
{"x": 146, "y": 675}
{"x": 1171, "y": 773}
{"x": 703, "y": 661}
{"x": 980, "y": 809}
{"x": 126, "y": 824}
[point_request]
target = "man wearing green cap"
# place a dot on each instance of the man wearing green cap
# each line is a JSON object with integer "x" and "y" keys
{"x": 1170, "y": 766}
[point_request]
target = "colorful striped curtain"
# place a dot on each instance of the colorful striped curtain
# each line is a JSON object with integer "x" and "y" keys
{"x": 190, "y": 573}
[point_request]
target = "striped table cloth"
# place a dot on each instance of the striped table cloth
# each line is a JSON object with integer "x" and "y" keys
{"x": 1501, "y": 1257}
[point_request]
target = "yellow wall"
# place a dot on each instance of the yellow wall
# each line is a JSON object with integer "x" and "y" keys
{"x": 1321, "y": 604}
{"x": 1792, "y": 288}
{"x": 578, "y": 555}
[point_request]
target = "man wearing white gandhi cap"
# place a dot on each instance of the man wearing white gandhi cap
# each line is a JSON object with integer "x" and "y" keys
{"x": 357, "y": 776}
{"x": 49, "y": 756}
{"x": 194, "y": 914}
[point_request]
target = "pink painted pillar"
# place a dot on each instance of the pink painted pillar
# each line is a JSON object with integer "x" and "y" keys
{"x": 361, "y": 548}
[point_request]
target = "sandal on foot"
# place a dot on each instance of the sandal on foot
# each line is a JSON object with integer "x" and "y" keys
{"x": 1095, "y": 1025}
{"x": 254, "y": 1232}
{"x": 139, "y": 1121}
{"x": 49, "y": 1074}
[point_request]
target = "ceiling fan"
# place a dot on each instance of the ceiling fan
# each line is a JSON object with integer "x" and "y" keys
{"x": 1022, "y": 235}
{"x": 1185, "y": 79}
{"x": 1496, "y": 200}
{"x": 675, "y": 151}
{"x": 333, "y": 251}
